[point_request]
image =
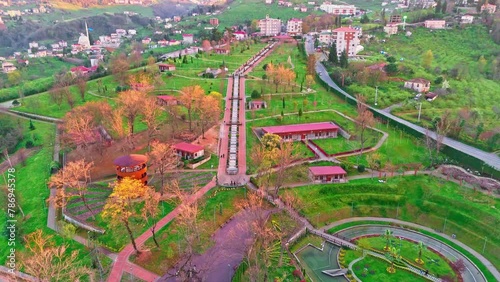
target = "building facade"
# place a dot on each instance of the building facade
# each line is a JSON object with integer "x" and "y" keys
{"x": 489, "y": 8}
{"x": 298, "y": 132}
{"x": 346, "y": 38}
{"x": 391, "y": 29}
{"x": 327, "y": 174}
{"x": 435, "y": 24}
{"x": 294, "y": 26}
{"x": 214, "y": 21}
{"x": 418, "y": 84}
{"x": 269, "y": 26}
{"x": 189, "y": 151}
{"x": 344, "y": 10}
{"x": 133, "y": 166}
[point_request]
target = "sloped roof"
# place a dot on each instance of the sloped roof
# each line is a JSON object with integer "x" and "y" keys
{"x": 187, "y": 147}
{"x": 130, "y": 160}
{"x": 293, "y": 128}
{"x": 326, "y": 170}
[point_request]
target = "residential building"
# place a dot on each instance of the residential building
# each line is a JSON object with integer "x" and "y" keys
{"x": 303, "y": 9}
{"x": 270, "y": 26}
{"x": 297, "y": 132}
{"x": 489, "y": 8}
{"x": 214, "y": 21}
{"x": 395, "y": 19}
{"x": 222, "y": 51}
{"x": 187, "y": 38}
{"x": 257, "y": 104}
{"x": 167, "y": 100}
{"x": 146, "y": 40}
{"x": 166, "y": 67}
{"x": 177, "y": 19}
{"x": 8, "y": 67}
{"x": 435, "y": 24}
{"x": 33, "y": 44}
{"x": 325, "y": 37}
{"x": 14, "y": 13}
{"x": 294, "y": 26}
{"x": 338, "y": 9}
{"x": 431, "y": 96}
{"x": 268, "y": 1}
{"x": 391, "y": 29}
{"x": 418, "y": 84}
{"x": 132, "y": 31}
{"x": 189, "y": 151}
{"x": 347, "y": 38}
{"x": 82, "y": 70}
{"x": 467, "y": 19}
{"x": 121, "y": 32}
{"x": 133, "y": 166}
{"x": 63, "y": 43}
{"x": 327, "y": 174}
{"x": 240, "y": 35}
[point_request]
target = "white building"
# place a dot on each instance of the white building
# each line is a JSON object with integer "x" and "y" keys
{"x": 187, "y": 39}
{"x": 294, "y": 26}
{"x": 270, "y": 26}
{"x": 132, "y": 32}
{"x": 338, "y": 9}
{"x": 325, "y": 37}
{"x": 435, "y": 24}
{"x": 268, "y": 1}
{"x": 240, "y": 35}
{"x": 347, "y": 38}
{"x": 467, "y": 19}
{"x": 391, "y": 29}
{"x": 33, "y": 44}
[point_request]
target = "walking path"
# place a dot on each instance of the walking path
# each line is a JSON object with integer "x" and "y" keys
{"x": 472, "y": 274}
{"x": 121, "y": 262}
{"x": 489, "y": 158}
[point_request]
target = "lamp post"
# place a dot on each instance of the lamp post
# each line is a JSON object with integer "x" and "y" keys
{"x": 419, "y": 111}
{"x": 376, "y": 94}
{"x": 404, "y": 22}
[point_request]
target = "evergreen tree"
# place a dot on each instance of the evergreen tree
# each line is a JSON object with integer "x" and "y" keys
{"x": 332, "y": 57}
{"x": 300, "y": 112}
{"x": 283, "y": 102}
{"x": 438, "y": 7}
{"x": 365, "y": 19}
{"x": 185, "y": 60}
{"x": 443, "y": 9}
{"x": 344, "y": 62}
{"x": 32, "y": 126}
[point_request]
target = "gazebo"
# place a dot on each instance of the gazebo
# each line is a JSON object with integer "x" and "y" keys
{"x": 133, "y": 166}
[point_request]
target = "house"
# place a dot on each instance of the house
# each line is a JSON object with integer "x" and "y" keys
{"x": 146, "y": 40}
{"x": 82, "y": 70}
{"x": 466, "y": 19}
{"x": 132, "y": 31}
{"x": 489, "y": 8}
{"x": 33, "y": 44}
{"x": 63, "y": 43}
{"x": 431, "y": 96}
{"x": 325, "y": 37}
{"x": 214, "y": 21}
{"x": 327, "y": 174}
{"x": 177, "y": 19}
{"x": 213, "y": 73}
{"x": 41, "y": 53}
{"x": 188, "y": 38}
{"x": 391, "y": 29}
{"x": 268, "y": 1}
{"x": 338, "y": 9}
{"x": 297, "y": 132}
{"x": 294, "y": 26}
{"x": 173, "y": 42}
{"x": 8, "y": 67}
{"x": 133, "y": 166}
{"x": 167, "y": 100}
{"x": 395, "y": 19}
{"x": 22, "y": 62}
{"x": 435, "y": 24}
{"x": 240, "y": 35}
{"x": 222, "y": 51}
{"x": 189, "y": 151}
{"x": 257, "y": 104}
{"x": 121, "y": 32}
{"x": 269, "y": 26}
{"x": 418, "y": 84}
{"x": 303, "y": 9}
{"x": 166, "y": 67}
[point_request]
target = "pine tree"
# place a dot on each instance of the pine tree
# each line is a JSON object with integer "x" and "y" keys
{"x": 32, "y": 126}
{"x": 438, "y": 7}
{"x": 445, "y": 4}
{"x": 344, "y": 62}
{"x": 332, "y": 57}
{"x": 283, "y": 102}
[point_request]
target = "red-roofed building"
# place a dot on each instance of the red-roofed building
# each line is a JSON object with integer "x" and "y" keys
{"x": 418, "y": 84}
{"x": 189, "y": 151}
{"x": 82, "y": 70}
{"x": 222, "y": 51}
{"x": 167, "y": 100}
{"x": 166, "y": 67}
{"x": 257, "y": 104}
{"x": 297, "y": 132}
{"x": 240, "y": 35}
{"x": 187, "y": 38}
{"x": 346, "y": 39}
{"x": 324, "y": 174}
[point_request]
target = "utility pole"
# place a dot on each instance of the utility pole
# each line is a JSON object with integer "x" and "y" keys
{"x": 484, "y": 246}
{"x": 376, "y": 94}
{"x": 397, "y": 211}
{"x": 444, "y": 225}
{"x": 419, "y": 111}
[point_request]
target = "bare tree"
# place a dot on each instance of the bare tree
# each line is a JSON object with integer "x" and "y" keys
{"x": 150, "y": 116}
{"x": 364, "y": 121}
{"x": 163, "y": 158}
{"x": 131, "y": 104}
{"x": 81, "y": 84}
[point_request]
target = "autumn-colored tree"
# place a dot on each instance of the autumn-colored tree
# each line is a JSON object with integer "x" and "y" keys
{"x": 163, "y": 158}
{"x": 74, "y": 178}
{"x": 311, "y": 64}
{"x": 206, "y": 46}
{"x": 427, "y": 59}
{"x": 373, "y": 161}
{"x": 191, "y": 97}
{"x": 48, "y": 262}
{"x": 364, "y": 120}
{"x": 150, "y": 116}
{"x": 57, "y": 95}
{"x": 116, "y": 122}
{"x": 119, "y": 65}
{"x": 131, "y": 103}
{"x": 81, "y": 84}
{"x": 309, "y": 80}
{"x": 283, "y": 158}
{"x": 209, "y": 112}
{"x": 151, "y": 209}
{"x": 119, "y": 209}
{"x": 78, "y": 127}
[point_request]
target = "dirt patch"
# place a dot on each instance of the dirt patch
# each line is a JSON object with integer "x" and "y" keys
{"x": 17, "y": 157}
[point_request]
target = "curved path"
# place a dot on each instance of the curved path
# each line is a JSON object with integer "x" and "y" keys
{"x": 488, "y": 158}
{"x": 472, "y": 272}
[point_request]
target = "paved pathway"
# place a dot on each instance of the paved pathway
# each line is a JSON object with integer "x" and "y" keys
{"x": 472, "y": 273}
{"x": 122, "y": 264}
{"x": 488, "y": 158}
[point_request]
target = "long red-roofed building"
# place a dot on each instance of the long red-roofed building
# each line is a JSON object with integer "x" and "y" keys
{"x": 325, "y": 174}
{"x": 297, "y": 132}
{"x": 189, "y": 151}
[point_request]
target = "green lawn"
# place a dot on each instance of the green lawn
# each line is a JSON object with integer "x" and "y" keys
{"x": 421, "y": 199}
{"x": 169, "y": 237}
{"x": 213, "y": 163}
{"x": 340, "y": 144}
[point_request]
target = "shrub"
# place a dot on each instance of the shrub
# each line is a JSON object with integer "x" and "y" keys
{"x": 296, "y": 273}
{"x": 361, "y": 168}
{"x": 15, "y": 103}
{"x": 168, "y": 73}
{"x": 29, "y": 144}
{"x": 255, "y": 94}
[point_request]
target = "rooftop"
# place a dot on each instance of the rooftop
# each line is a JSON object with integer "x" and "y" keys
{"x": 187, "y": 147}
{"x": 326, "y": 170}
{"x": 419, "y": 80}
{"x": 300, "y": 127}
{"x": 345, "y": 29}
{"x": 130, "y": 160}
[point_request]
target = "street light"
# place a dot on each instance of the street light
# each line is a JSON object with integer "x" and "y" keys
{"x": 376, "y": 94}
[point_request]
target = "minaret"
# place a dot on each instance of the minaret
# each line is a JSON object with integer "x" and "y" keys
{"x": 87, "y": 30}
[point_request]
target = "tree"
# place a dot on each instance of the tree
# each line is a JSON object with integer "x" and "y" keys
{"x": 388, "y": 238}
{"x": 57, "y": 95}
{"x": 32, "y": 126}
{"x": 209, "y": 112}
{"x": 438, "y": 7}
{"x": 443, "y": 8}
{"x": 428, "y": 57}
{"x": 206, "y": 46}
{"x": 150, "y": 116}
{"x": 365, "y": 19}
{"x": 309, "y": 80}
{"x": 421, "y": 247}
{"x": 391, "y": 69}
{"x": 119, "y": 66}
{"x": 300, "y": 113}
{"x": 332, "y": 56}
{"x": 382, "y": 16}
{"x": 190, "y": 98}
{"x": 482, "y": 64}
{"x": 73, "y": 180}
{"x": 119, "y": 209}
{"x": 48, "y": 262}
{"x": 163, "y": 158}
{"x": 311, "y": 64}
{"x": 344, "y": 61}
{"x": 14, "y": 77}
{"x": 81, "y": 84}
{"x": 373, "y": 161}
{"x": 364, "y": 120}
{"x": 151, "y": 209}
{"x": 131, "y": 102}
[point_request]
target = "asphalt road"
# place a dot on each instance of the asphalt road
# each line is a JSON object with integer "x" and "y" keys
{"x": 488, "y": 158}
{"x": 471, "y": 274}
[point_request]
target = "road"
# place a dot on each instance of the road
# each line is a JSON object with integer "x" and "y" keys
{"x": 488, "y": 158}
{"x": 472, "y": 273}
